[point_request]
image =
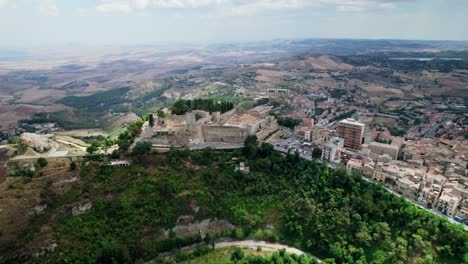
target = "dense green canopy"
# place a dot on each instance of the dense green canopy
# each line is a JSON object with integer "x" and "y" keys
{"x": 325, "y": 212}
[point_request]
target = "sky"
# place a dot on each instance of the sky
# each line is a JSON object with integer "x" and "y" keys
{"x": 133, "y": 22}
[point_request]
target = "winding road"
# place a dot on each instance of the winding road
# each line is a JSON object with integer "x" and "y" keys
{"x": 253, "y": 244}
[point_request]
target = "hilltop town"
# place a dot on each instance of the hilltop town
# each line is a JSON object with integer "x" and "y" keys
{"x": 226, "y": 148}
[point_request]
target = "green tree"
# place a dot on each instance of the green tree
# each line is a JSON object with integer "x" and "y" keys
{"x": 72, "y": 165}
{"x": 161, "y": 113}
{"x": 151, "y": 120}
{"x": 180, "y": 107}
{"x": 316, "y": 153}
{"x": 113, "y": 252}
{"x": 42, "y": 162}
{"x": 237, "y": 254}
{"x": 141, "y": 148}
{"x": 14, "y": 140}
{"x": 250, "y": 146}
{"x": 92, "y": 149}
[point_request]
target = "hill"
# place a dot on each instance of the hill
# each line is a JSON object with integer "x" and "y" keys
{"x": 163, "y": 202}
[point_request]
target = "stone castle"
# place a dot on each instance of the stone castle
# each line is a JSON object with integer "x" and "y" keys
{"x": 202, "y": 129}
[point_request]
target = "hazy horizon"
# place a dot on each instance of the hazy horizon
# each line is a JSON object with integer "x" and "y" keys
{"x": 155, "y": 22}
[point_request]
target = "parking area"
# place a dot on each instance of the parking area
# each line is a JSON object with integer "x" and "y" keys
{"x": 285, "y": 140}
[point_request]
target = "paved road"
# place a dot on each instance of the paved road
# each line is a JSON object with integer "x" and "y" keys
{"x": 250, "y": 243}
{"x": 267, "y": 246}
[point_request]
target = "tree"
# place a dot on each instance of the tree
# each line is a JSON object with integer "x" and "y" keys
{"x": 124, "y": 145}
{"x": 151, "y": 120}
{"x": 113, "y": 252}
{"x": 42, "y": 162}
{"x": 287, "y": 121}
{"x": 180, "y": 107}
{"x": 115, "y": 154}
{"x": 316, "y": 153}
{"x": 14, "y": 140}
{"x": 161, "y": 113}
{"x": 250, "y": 146}
{"x": 72, "y": 165}
{"x": 237, "y": 254}
{"x": 93, "y": 148}
{"x": 141, "y": 148}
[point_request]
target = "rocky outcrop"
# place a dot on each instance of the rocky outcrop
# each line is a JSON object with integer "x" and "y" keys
{"x": 81, "y": 209}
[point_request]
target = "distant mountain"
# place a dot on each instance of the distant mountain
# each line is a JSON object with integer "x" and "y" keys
{"x": 13, "y": 55}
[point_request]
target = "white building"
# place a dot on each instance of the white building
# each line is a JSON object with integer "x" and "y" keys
{"x": 448, "y": 203}
{"x": 331, "y": 151}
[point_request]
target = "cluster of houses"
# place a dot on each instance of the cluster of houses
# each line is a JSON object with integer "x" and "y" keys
{"x": 432, "y": 171}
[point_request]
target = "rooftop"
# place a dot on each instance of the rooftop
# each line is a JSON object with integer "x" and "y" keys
{"x": 243, "y": 120}
{"x": 351, "y": 121}
{"x": 383, "y": 145}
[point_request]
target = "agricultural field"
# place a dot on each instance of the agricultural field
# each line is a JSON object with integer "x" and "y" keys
{"x": 88, "y": 93}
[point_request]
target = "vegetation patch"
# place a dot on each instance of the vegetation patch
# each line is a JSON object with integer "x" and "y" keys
{"x": 338, "y": 217}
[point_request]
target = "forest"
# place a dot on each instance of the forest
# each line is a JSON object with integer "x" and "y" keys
{"x": 332, "y": 215}
{"x": 97, "y": 102}
{"x": 181, "y": 106}
{"x": 444, "y": 65}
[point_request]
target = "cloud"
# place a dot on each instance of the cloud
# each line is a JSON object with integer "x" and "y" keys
{"x": 114, "y": 8}
{"x": 180, "y": 3}
{"x": 243, "y": 7}
{"x": 45, "y": 7}
{"x": 125, "y": 7}
{"x": 364, "y": 5}
{"x": 83, "y": 12}
{"x": 48, "y": 8}
{"x": 7, "y": 3}
{"x": 252, "y": 7}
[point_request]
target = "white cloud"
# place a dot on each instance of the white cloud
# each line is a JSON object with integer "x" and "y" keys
{"x": 363, "y": 5}
{"x": 45, "y": 7}
{"x": 7, "y": 3}
{"x": 114, "y": 7}
{"x": 128, "y": 6}
{"x": 83, "y": 12}
{"x": 241, "y": 7}
{"x": 141, "y": 4}
{"x": 48, "y": 8}
{"x": 258, "y": 5}
{"x": 182, "y": 3}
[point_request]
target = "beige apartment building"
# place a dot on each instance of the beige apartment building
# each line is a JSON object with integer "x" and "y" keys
{"x": 352, "y": 132}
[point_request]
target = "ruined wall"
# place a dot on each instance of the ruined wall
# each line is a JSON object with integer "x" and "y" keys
{"x": 267, "y": 131}
{"x": 224, "y": 134}
{"x": 222, "y": 119}
{"x": 163, "y": 140}
{"x": 146, "y": 131}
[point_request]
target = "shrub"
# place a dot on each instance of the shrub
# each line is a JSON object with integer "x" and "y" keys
{"x": 42, "y": 162}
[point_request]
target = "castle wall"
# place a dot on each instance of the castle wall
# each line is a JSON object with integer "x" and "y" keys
{"x": 147, "y": 131}
{"x": 223, "y": 118}
{"x": 264, "y": 133}
{"x": 224, "y": 134}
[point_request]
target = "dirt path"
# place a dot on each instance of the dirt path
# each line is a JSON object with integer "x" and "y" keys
{"x": 72, "y": 144}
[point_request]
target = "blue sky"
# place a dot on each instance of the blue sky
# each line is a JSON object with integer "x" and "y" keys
{"x": 123, "y": 22}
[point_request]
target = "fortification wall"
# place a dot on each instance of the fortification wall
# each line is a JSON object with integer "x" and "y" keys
{"x": 224, "y": 134}
{"x": 223, "y": 118}
{"x": 160, "y": 141}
